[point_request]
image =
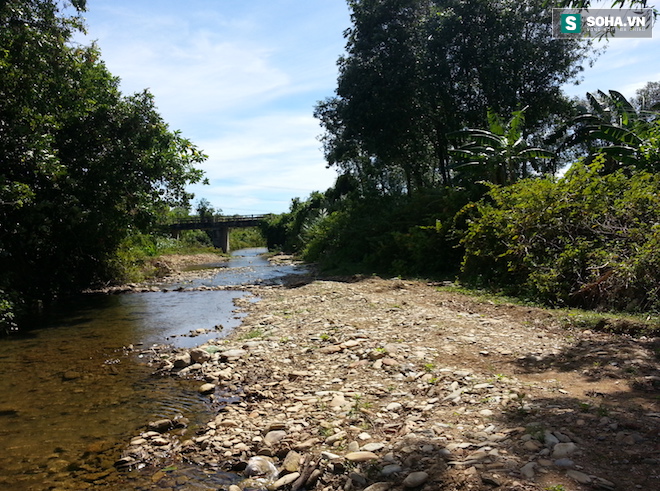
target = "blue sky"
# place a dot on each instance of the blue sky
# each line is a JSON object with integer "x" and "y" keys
{"x": 240, "y": 79}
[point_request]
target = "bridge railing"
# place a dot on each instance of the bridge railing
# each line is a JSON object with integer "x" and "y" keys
{"x": 216, "y": 219}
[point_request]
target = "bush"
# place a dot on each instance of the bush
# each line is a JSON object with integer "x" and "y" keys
{"x": 587, "y": 239}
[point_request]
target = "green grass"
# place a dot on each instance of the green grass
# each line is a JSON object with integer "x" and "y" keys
{"x": 641, "y": 324}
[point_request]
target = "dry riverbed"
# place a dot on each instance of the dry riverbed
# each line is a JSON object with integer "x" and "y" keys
{"x": 375, "y": 384}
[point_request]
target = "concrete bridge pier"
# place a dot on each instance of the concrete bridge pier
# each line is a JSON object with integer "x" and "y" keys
{"x": 220, "y": 238}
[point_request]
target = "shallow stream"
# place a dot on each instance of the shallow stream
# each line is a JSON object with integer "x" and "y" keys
{"x": 71, "y": 395}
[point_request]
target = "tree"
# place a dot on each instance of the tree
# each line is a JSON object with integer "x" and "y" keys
{"x": 416, "y": 70}
{"x": 503, "y": 152}
{"x": 648, "y": 97}
{"x": 82, "y": 165}
{"x": 612, "y": 126}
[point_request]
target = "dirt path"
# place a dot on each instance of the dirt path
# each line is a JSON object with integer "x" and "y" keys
{"x": 387, "y": 384}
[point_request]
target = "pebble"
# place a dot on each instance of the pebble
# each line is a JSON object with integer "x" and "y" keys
{"x": 390, "y": 469}
{"x": 562, "y": 450}
{"x": 379, "y": 486}
{"x": 580, "y": 477}
{"x": 273, "y": 437}
{"x": 285, "y": 480}
{"x": 207, "y": 388}
{"x": 361, "y": 456}
{"x": 415, "y": 479}
{"x": 528, "y": 470}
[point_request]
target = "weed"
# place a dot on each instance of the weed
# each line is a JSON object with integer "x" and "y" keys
{"x": 584, "y": 407}
{"x": 429, "y": 367}
{"x": 253, "y": 333}
{"x": 556, "y": 487}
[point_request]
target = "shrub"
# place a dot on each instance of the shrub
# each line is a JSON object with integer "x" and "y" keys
{"x": 587, "y": 239}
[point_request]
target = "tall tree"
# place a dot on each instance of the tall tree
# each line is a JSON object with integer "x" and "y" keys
{"x": 81, "y": 166}
{"x": 416, "y": 70}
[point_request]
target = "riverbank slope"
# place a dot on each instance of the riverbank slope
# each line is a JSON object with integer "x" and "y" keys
{"x": 368, "y": 383}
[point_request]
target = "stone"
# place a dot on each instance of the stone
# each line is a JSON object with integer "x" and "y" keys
{"x": 161, "y": 426}
{"x": 415, "y": 479}
{"x": 361, "y": 456}
{"x": 336, "y": 437}
{"x": 564, "y": 462}
{"x": 353, "y": 447}
{"x": 233, "y": 487}
{"x": 199, "y": 355}
{"x": 373, "y": 447}
{"x": 285, "y": 480}
{"x": 527, "y": 470}
{"x": 233, "y": 354}
{"x": 292, "y": 461}
{"x": 207, "y": 388}
{"x": 182, "y": 360}
{"x": 71, "y": 375}
{"x": 563, "y": 450}
{"x": 261, "y": 466}
{"x": 273, "y": 437}
{"x": 394, "y": 406}
{"x": 580, "y": 477}
{"x": 379, "y": 486}
{"x": 390, "y": 469}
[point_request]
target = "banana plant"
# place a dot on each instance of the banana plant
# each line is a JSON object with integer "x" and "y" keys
{"x": 501, "y": 154}
{"x": 612, "y": 126}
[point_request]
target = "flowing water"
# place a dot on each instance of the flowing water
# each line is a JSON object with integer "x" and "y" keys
{"x": 71, "y": 395}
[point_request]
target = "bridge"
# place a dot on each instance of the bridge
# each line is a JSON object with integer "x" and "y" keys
{"x": 217, "y": 226}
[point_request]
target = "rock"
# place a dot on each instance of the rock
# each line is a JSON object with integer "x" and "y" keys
{"x": 415, "y": 479}
{"x": 353, "y": 447}
{"x": 360, "y": 456}
{"x": 486, "y": 413}
{"x": 394, "y": 406}
{"x": 233, "y": 354}
{"x": 273, "y": 437}
{"x": 71, "y": 375}
{"x": 292, "y": 461}
{"x": 182, "y": 360}
{"x": 285, "y": 480}
{"x": 388, "y": 470}
{"x": 207, "y": 388}
{"x": 373, "y": 447}
{"x": 379, "y": 486}
{"x": 336, "y": 437}
{"x": 161, "y": 426}
{"x": 528, "y": 470}
{"x": 358, "y": 479}
{"x": 337, "y": 401}
{"x": 199, "y": 355}
{"x": 563, "y": 450}
{"x": 491, "y": 480}
{"x": 261, "y": 466}
{"x": 233, "y": 487}
{"x": 580, "y": 477}
{"x": 564, "y": 462}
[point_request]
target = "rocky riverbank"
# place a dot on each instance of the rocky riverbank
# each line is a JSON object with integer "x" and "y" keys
{"x": 374, "y": 384}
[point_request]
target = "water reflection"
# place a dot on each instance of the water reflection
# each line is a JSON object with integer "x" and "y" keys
{"x": 70, "y": 395}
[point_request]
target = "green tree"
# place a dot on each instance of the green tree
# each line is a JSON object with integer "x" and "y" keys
{"x": 503, "y": 150}
{"x": 82, "y": 166}
{"x": 416, "y": 70}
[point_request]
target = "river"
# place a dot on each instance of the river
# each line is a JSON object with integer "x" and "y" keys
{"x": 72, "y": 394}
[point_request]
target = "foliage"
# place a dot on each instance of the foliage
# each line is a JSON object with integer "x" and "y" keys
{"x": 502, "y": 154}
{"x": 587, "y": 239}
{"x": 243, "y": 238}
{"x": 83, "y": 167}
{"x": 611, "y": 125}
{"x": 416, "y": 70}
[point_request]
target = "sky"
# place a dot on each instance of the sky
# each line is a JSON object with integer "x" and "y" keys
{"x": 240, "y": 79}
